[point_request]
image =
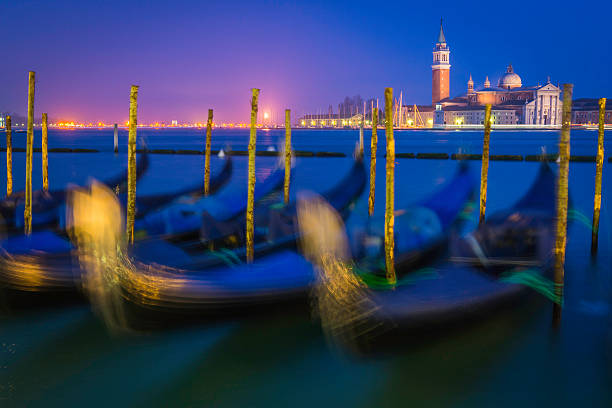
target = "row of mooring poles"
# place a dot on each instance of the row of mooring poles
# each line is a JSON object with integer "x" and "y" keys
{"x": 562, "y": 184}
{"x": 27, "y": 212}
{"x": 131, "y": 208}
{"x": 250, "y": 221}
{"x": 561, "y": 190}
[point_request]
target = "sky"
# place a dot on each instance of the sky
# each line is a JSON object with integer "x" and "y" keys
{"x": 191, "y": 55}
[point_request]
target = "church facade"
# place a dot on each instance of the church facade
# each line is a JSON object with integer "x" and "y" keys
{"x": 512, "y": 102}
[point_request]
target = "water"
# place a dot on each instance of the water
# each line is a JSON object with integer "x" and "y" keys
{"x": 61, "y": 357}
{"x": 407, "y": 141}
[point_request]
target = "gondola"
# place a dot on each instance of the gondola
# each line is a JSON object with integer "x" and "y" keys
{"x": 182, "y": 220}
{"x": 146, "y": 204}
{"x": 45, "y": 205}
{"x": 484, "y": 274}
{"x": 275, "y": 228}
{"x": 177, "y": 290}
{"x": 44, "y": 261}
{"x": 50, "y": 214}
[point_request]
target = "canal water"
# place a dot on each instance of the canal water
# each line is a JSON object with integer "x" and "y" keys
{"x": 64, "y": 357}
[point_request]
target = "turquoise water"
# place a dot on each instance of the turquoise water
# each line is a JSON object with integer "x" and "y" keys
{"x": 65, "y": 357}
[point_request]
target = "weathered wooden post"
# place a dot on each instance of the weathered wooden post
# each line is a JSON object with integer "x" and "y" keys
{"x": 361, "y": 133}
{"x": 373, "y": 148}
{"x": 390, "y": 205}
{"x": 562, "y": 187}
{"x": 9, "y": 158}
{"x": 116, "y": 139}
{"x": 598, "y": 171}
{"x": 250, "y": 227}
{"x": 27, "y": 212}
{"x": 131, "y": 198}
{"x": 287, "y": 153}
{"x": 209, "y": 123}
{"x": 44, "y": 151}
{"x": 484, "y": 172}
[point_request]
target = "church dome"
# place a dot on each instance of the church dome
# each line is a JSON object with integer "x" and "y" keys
{"x": 510, "y": 79}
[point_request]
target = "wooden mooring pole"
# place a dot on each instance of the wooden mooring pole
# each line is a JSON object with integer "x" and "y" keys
{"x": 373, "y": 148}
{"x": 484, "y": 172}
{"x": 562, "y": 192}
{"x": 361, "y": 132}
{"x": 598, "y": 175}
{"x": 9, "y": 158}
{"x": 116, "y": 139}
{"x": 287, "y": 154}
{"x": 209, "y": 123}
{"x": 44, "y": 151}
{"x": 250, "y": 222}
{"x": 27, "y": 212}
{"x": 390, "y": 189}
{"x": 131, "y": 198}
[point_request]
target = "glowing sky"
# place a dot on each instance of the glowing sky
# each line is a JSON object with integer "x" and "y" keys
{"x": 189, "y": 55}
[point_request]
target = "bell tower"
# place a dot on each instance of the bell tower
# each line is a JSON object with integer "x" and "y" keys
{"x": 440, "y": 69}
{"x": 471, "y": 86}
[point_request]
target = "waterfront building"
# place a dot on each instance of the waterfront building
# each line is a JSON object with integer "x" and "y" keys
{"x": 2, "y": 120}
{"x": 417, "y": 116}
{"x": 474, "y": 115}
{"x": 332, "y": 120}
{"x": 585, "y": 111}
{"x": 513, "y": 103}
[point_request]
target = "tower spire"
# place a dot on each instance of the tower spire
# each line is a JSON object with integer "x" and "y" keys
{"x": 441, "y": 38}
{"x": 470, "y": 86}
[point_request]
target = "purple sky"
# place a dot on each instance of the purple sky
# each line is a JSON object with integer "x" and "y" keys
{"x": 189, "y": 55}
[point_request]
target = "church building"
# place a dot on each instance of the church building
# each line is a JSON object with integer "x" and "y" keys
{"x": 512, "y": 103}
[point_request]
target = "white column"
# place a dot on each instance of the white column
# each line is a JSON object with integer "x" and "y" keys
{"x": 540, "y": 111}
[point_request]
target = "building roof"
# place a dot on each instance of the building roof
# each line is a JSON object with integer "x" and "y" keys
{"x": 492, "y": 89}
{"x": 510, "y": 79}
{"x": 457, "y": 99}
{"x": 519, "y": 89}
{"x": 588, "y": 104}
{"x": 420, "y": 108}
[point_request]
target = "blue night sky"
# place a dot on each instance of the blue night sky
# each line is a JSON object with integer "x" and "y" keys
{"x": 190, "y": 55}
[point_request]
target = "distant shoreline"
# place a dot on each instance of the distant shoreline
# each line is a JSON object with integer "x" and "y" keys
{"x": 21, "y": 129}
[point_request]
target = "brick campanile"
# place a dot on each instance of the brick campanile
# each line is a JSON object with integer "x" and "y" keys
{"x": 440, "y": 69}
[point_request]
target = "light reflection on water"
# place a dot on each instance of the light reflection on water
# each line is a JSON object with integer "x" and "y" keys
{"x": 66, "y": 356}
